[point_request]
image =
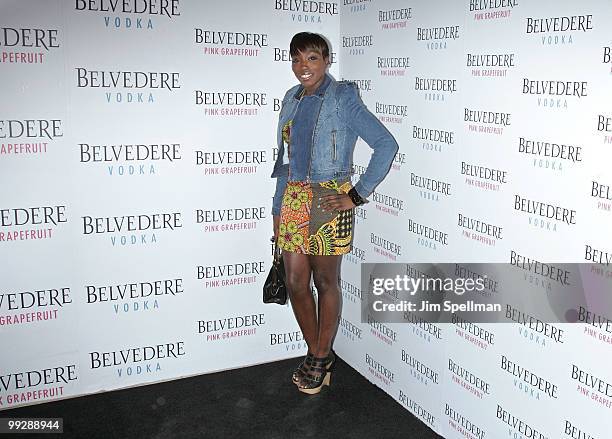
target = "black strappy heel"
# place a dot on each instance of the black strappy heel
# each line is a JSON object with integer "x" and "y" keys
{"x": 318, "y": 375}
{"x": 302, "y": 369}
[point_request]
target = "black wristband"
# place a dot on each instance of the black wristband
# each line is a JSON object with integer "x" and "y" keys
{"x": 355, "y": 197}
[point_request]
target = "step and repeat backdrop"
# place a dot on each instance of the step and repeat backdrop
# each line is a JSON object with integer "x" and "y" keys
{"x": 137, "y": 139}
{"x": 502, "y": 112}
{"x": 136, "y": 143}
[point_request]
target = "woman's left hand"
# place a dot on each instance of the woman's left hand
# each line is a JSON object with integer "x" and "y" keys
{"x": 336, "y": 202}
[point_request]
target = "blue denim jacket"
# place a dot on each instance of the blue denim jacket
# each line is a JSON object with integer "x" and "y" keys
{"x": 342, "y": 118}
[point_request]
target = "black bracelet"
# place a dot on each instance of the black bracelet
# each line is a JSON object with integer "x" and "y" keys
{"x": 355, "y": 197}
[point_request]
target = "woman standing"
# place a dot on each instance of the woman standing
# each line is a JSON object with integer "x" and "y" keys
{"x": 319, "y": 123}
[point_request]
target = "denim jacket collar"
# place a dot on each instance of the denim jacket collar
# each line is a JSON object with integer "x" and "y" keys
{"x": 320, "y": 92}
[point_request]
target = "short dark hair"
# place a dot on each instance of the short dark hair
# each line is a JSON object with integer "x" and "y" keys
{"x": 303, "y": 41}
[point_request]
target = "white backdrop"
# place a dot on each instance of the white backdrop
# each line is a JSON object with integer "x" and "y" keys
{"x": 192, "y": 281}
{"x": 146, "y": 262}
{"x": 431, "y": 71}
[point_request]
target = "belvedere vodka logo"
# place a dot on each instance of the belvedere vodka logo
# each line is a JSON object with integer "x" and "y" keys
{"x": 492, "y": 9}
{"x": 540, "y": 274}
{"x": 22, "y": 137}
{"x": 420, "y": 371}
{"x": 386, "y": 248}
{"x": 36, "y": 305}
{"x": 356, "y": 256}
{"x": 228, "y": 329}
{"x": 479, "y": 230}
{"x": 350, "y": 292}
{"x": 549, "y": 156}
{"x": 349, "y": 330}
{"x": 143, "y": 296}
{"x": 27, "y": 45}
{"x": 240, "y": 273}
{"x": 129, "y": 230}
{"x": 489, "y": 283}
{"x": 394, "y": 18}
{"x": 225, "y": 162}
{"x": 427, "y": 236}
{"x": 433, "y": 140}
{"x": 288, "y": 341}
{"x": 357, "y": 44}
{"x": 483, "y": 177}
{"x": 356, "y": 6}
{"x": 473, "y": 333}
{"x": 437, "y": 38}
{"x": 530, "y": 328}
{"x": 230, "y": 44}
{"x": 543, "y": 215}
{"x": 231, "y": 103}
{"x": 388, "y": 204}
{"x": 435, "y": 89}
{"x": 224, "y": 220}
{"x": 484, "y": 121}
{"x": 29, "y": 386}
{"x": 601, "y": 193}
{"x": 490, "y": 65}
{"x": 517, "y": 426}
{"x": 554, "y": 31}
{"x": 597, "y": 326}
{"x": 555, "y": 94}
{"x": 464, "y": 426}
{"x": 528, "y": 382}
{"x": 306, "y": 11}
{"x": 416, "y": 408}
{"x": 134, "y": 361}
{"x": 430, "y": 189}
{"x": 130, "y": 14}
{"x": 600, "y": 261}
{"x": 379, "y": 371}
{"x": 592, "y": 386}
{"x": 393, "y": 66}
{"x": 421, "y": 328}
{"x": 31, "y": 223}
{"x": 383, "y": 333}
{"x": 468, "y": 380}
{"x": 130, "y": 159}
{"x": 391, "y": 113}
{"x": 128, "y": 86}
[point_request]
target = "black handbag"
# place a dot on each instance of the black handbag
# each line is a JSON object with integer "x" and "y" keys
{"x": 274, "y": 289}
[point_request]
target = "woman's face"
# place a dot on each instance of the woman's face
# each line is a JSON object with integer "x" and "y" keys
{"x": 309, "y": 68}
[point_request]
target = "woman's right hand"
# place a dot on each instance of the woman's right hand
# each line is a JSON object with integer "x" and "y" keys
{"x": 275, "y": 226}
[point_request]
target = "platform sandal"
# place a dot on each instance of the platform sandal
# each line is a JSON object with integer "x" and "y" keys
{"x": 318, "y": 375}
{"x": 302, "y": 369}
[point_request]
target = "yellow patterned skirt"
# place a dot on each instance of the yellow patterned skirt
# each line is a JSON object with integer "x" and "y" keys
{"x": 305, "y": 228}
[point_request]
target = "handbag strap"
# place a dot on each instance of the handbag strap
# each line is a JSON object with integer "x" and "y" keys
{"x": 278, "y": 252}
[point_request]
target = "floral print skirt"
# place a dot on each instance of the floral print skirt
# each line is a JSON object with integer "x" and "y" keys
{"x": 305, "y": 228}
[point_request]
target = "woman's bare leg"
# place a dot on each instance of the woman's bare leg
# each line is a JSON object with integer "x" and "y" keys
{"x": 326, "y": 274}
{"x": 297, "y": 277}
